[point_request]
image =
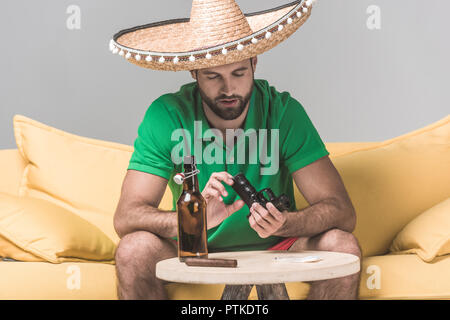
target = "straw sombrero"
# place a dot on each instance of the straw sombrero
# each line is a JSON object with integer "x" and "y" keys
{"x": 217, "y": 33}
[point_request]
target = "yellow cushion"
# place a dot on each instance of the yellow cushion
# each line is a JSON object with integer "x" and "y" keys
{"x": 393, "y": 182}
{"x": 341, "y": 148}
{"x": 79, "y": 174}
{"x": 428, "y": 235}
{"x": 9, "y": 249}
{"x": 49, "y": 232}
{"x": 11, "y": 170}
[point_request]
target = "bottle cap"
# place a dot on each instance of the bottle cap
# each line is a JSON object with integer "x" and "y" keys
{"x": 178, "y": 178}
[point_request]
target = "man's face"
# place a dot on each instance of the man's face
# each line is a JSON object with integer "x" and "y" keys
{"x": 227, "y": 89}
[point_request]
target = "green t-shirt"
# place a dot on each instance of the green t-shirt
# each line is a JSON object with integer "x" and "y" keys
{"x": 175, "y": 124}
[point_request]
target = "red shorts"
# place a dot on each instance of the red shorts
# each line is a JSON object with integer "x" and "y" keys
{"x": 284, "y": 244}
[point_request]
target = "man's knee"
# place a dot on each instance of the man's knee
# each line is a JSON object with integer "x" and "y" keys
{"x": 340, "y": 241}
{"x": 139, "y": 245}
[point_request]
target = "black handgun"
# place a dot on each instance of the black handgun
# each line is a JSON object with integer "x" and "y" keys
{"x": 249, "y": 194}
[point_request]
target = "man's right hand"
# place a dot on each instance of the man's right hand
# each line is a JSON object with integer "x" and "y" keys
{"x": 217, "y": 210}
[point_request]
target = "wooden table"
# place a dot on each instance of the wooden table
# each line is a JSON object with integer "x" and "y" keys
{"x": 268, "y": 270}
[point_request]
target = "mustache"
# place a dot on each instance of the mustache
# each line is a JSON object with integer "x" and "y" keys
{"x": 229, "y": 98}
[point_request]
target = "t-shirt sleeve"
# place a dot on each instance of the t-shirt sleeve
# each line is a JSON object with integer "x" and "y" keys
{"x": 300, "y": 142}
{"x": 152, "y": 147}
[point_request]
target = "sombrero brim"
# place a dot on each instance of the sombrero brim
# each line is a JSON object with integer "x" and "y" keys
{"x": 165, "y": 45}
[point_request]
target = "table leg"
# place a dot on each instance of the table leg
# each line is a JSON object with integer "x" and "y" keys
{"x": 236, "y": 292}
{"x": 272, "y": 292}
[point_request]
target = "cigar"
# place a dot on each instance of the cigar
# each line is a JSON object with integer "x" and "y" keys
{"x": 200, "y": 262}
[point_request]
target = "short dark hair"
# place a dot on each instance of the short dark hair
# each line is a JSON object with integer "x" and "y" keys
{"x": 251, "y": 65}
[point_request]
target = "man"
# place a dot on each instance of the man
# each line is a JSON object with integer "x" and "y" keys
{"x": 226, "y": 98}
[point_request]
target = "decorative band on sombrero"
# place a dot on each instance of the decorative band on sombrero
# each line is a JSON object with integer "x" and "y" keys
{"x": 217, "y": 33}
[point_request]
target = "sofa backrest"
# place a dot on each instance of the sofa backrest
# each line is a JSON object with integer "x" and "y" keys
{"x": 393, "y": 182}
{"x": 389, "y": 182}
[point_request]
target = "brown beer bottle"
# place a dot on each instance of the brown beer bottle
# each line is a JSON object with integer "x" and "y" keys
{"x": 191, "y": 209}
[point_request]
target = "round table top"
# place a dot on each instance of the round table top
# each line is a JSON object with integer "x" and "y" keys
{"x": 263, "y": 267}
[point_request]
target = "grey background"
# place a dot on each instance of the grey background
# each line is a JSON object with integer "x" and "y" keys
{"x": 356, "y": 84}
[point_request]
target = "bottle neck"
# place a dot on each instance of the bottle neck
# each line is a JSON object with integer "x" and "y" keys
{"x": 191, "y": 183}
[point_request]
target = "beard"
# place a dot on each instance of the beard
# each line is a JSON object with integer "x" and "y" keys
{"x": 227, "y": 113}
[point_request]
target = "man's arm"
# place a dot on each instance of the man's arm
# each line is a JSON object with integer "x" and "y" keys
{"x": 138, "y": 206}
{"x": 330, "y": 206}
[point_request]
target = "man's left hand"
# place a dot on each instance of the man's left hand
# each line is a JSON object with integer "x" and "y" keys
{"x": 266, "y": 221}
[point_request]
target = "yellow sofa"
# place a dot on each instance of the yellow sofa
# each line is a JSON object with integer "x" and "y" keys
{"x": 392, "y": 184}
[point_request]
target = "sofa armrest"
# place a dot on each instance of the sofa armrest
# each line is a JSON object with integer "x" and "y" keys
{"x": 12, "y": 165}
